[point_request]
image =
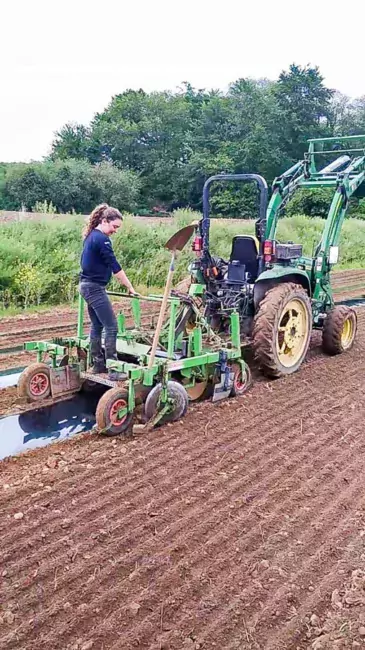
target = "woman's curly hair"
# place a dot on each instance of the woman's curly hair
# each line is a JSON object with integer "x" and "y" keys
{"x": 103, "y": 211}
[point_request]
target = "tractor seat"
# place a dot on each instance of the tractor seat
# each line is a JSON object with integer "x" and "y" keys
{"x": 244, "y": 252}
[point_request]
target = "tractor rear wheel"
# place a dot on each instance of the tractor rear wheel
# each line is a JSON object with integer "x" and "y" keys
{"x": 109, "y": 421}
{"x": 34, "y": 383}
{"x": 282, "y": 329}
{"x": 339, "y": 330}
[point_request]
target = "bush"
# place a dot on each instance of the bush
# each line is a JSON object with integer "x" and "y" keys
{"x": 311, "y": 203}
{"x": 44, "y": 268}
{"x": 357, "y": 209}
{"x": 117, "y": 187}
{"x": 67, "y": 186}
{"x": 24, "y": 185}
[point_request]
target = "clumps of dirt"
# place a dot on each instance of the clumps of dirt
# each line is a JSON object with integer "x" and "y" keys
{"x": 342, "y": 625}
{"x": 11, "y": 404}
{"x": 8, "y": 400}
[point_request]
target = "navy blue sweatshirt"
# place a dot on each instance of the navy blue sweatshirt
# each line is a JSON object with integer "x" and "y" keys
{"x": 98, "y": 261}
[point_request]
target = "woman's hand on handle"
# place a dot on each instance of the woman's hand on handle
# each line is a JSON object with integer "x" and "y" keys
{"x": 123, "y": 280}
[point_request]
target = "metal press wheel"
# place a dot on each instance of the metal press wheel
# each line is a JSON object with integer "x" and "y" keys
{"x": 203, "y": 388}
{"x": 282, "y": 329}
{"x": 179, "y": 402}
{"x": 34, "y": 383}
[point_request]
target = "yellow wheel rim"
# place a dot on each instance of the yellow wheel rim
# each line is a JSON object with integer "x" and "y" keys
{"x": 292, "y": 334}
{"x": 347, "y": 333}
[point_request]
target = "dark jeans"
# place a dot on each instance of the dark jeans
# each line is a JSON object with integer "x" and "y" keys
{"x": 102, "y": 317}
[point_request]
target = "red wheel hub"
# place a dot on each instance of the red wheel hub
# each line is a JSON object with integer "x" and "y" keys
{"x": 113, "y": 414}
{"x": 39, "y": 384}
{"x": 239, "y": 384}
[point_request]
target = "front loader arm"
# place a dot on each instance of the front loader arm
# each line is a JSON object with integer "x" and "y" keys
{"x": 283, "y": 187}
{"x": 346, "y": 175}
{"x": 347, "y": 184}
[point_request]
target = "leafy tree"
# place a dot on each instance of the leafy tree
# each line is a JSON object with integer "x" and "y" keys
{"x": 117, "y": 187}
{"x": 72, "y": 141}
{"x": 145, "y": 133}
{"x": 174, "y": 141}
{"x": 68, "y": 185}
{"x": 356, "y": 125}
{"x": 71, "y": 185}
{"x": 305, "y": 104}
{"x": 25, "y": 184}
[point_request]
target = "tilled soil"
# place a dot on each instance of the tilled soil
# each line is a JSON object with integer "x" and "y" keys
{"x": 62, "y": 321}
{"x": 240, "y": 527}
{"x": 348, "y": 277}
{"x": 16, "y": 330}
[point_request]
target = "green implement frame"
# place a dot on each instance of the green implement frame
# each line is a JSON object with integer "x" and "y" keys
{"x": 193, "y": 356}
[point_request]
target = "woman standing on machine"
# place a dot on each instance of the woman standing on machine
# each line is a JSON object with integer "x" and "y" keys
{"x": 98, "y": 264}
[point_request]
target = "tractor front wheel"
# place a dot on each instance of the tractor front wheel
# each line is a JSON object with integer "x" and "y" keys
{"x": 282, "y": 329}
{"x": 339, "y": 330}
{"x": 112, "y": 416}
{"x": 34, "y": 383}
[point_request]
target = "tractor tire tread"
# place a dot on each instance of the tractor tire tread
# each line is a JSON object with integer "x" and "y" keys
{"x": 264, "y": 324}
{"x": 103, "y": 407}
{"x": 332, "y": 329}
{"x": 24, "y": 379}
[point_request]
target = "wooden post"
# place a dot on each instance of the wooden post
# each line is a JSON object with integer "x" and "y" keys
{"x": 162, "y": 311}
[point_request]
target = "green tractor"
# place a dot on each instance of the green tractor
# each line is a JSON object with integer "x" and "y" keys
{"x": 279, "y": 294}
{"x": 267, "y": 293}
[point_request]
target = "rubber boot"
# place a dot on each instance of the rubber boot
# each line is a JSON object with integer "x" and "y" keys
{"x": 111, "y": 355}
{"x": 97, "y": 356}
{"x": 114, "y": 375}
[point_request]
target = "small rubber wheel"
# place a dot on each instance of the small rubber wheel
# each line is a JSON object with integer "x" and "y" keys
{"x": 34, "y": 383}
{"x": 241, "y": 381}
{"x": 339, "y": 330}
{"x": 177, "y": 393}
{"x": 107, "y": 420}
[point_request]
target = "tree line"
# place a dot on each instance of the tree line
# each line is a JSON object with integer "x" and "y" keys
{"x": 157, "y": 149}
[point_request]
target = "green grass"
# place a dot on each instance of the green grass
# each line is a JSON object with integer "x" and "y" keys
{"x": 42, "y": 258}
{"x": 16, "y": 310}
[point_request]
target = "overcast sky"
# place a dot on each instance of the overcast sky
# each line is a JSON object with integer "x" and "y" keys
{"x": 62, "y": 61}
